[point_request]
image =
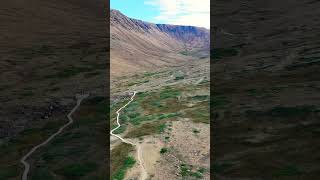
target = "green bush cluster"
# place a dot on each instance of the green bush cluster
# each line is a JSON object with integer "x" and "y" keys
{"x": 128, "y": 163}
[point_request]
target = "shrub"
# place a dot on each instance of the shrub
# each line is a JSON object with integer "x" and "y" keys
{"x": 178, "y": 78}
{"x": 128, "y": 163}
{"x": 195, "y": 131}
{"x": 169, "y": 93}
{"x": 163, "y": 150}
{"x": 168, "y": 115}
{"x": 161, "y": 128}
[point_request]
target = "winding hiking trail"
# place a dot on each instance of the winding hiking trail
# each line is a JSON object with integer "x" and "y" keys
{"x": 144, "y": 174}
{"x": 23, "y": 159}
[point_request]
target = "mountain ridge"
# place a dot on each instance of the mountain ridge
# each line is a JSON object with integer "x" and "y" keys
{"x": 179, "y": 32}
{"x": 141, "y": 45}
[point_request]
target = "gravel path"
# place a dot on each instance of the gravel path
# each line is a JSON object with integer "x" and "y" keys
{"x": 144, "y": 173}
{"x": 23, "y": 159}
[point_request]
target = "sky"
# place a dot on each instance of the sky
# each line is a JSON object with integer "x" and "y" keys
{"x": 178, "y": 12}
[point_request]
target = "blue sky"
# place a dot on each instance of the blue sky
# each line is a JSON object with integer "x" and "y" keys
{"x": 179, "y": 12}
{"x": 135, "y": 9}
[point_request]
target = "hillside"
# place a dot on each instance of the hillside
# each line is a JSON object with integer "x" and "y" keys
{"x": 266, "y": 89}
{"x": 50, "y": 51}
{"x": 138, "y": 45}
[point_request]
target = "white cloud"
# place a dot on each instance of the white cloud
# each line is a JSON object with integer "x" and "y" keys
{"x": 183, "y": 12}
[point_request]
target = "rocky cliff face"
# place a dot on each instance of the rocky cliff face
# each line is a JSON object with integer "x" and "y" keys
{"x": 193, "y": 37}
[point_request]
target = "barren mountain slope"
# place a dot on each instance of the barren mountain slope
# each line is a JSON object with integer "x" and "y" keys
{"x": 138, "y": 45}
